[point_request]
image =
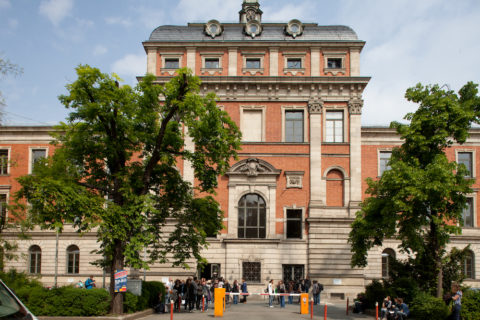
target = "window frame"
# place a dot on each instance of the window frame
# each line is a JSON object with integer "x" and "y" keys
{"x": 243, "y": 212}
{"x": 473, "y": 163}
{"x": 76, "y": 259}
{"x": 387, "y": 253}
{"x": 38, "y": 259}
{"x": 379, "y": 160}
{"x": 294, "y": 108}
{"x": 343, "y": 121}
{"x": 4, "y": 211}
{"x": 297, "y": 56}
{"x": 469, "y": 262}
{"x": 471, "y": 200}
{"x": 335, "y": 55}
{"x": 210, "y": 56}
{"x": 30, "y": 156}
{"x": 170, "y": 56}
{"x": 286, "y": 220}
{"x": 244, "y": 125}
{"x": 253, "y": 55}
{"x": 246, "y": 277}
{"x": 7, "y": 164}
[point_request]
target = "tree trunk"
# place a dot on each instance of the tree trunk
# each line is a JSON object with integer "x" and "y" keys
{"x": 116, "y": 306}
{"x": 439, "y": 278}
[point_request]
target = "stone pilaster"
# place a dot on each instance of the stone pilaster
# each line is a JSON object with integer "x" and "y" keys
{"x": 274, "y": 62}
{"x": 355, "y": 62}
{"x": 315, "y": 107}
{"x": 315, "y": 62}
{"x": 191, "y": 58}
{"x": 152, "y": 60}
{"x": 355, "y": 109}
{"x": 232, "y": 62}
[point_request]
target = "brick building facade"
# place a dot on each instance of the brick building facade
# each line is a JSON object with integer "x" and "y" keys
{"x": 295, "y": 91}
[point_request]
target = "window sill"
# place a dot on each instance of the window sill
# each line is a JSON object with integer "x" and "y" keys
{"x": 256, "y": 240}
{"x": 294, "y": 71}
{"x": 336, "y": 143}
{"x": 335, "y": 71}
{"x": 252, "y": 71}
{"x": 211, "y": 71}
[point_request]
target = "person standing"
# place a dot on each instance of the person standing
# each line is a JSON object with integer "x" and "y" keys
{"x": 316, "y": 290}
{"x": 90, "y": 283}
{"x": 244, "y": 290}
{"x": 281, "y": 291}
{"x": 457, "y": 301}
{"x": 235, "y": 290}
{"x": 291, "y": 291}
{"x": 270, "y": 293}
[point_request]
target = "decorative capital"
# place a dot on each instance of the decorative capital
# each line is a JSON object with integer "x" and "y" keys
{"x": 315, "y": 105}
{"x": 355, "y": 106}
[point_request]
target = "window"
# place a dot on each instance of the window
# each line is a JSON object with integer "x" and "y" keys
{"x": 253, "y": 63}
{"x": 293, "y": 126}
{"x": 35, "y": 254}
{"x": 388, "y": 256}
{"x": 212, "y": 63}
{"x": 467, "y": 214}
{"x": 334, "y": 126}
{"x": 3, "y": 210}
{"x": 334, "y": 63}
{"x": 293, "y": 272}
{"x": 3, "y": 161}
{"x": 294, "y": 223}
{"x": 468, "y": 266}
{"x": 252, "y": 125}
{"x": 384, "y": 158}
{"x": 466, "y": 158}
{"x": 252, "y": 272}
{"x": 36, "y": 155}
{"x": 172, "y": 63}
{"x": 73, "y": 260}
{"x": 251, "y": 217}
{"x": 294, "y": 63}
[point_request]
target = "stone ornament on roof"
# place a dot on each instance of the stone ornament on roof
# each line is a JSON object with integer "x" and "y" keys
{"x": 253, "y": 167}
{"x": 294, "y": 28}
{"x": 253, "y": 28}
{"x": 213, "y": 28}
{"x": 250, "y": 11}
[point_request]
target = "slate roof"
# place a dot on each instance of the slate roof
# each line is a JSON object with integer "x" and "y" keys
{"x": 234, "y": 32}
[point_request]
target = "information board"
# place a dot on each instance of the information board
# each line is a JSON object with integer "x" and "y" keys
{"x": 121, "y": 281}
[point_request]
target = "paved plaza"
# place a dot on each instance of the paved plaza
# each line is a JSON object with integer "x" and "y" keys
{"x": 257, "y": 309}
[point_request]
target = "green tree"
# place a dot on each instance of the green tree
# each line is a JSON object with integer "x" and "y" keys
{"x": 420, "y": 199}
{"x": 117, "y": 168}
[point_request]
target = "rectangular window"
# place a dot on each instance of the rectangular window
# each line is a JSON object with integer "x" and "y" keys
{"x": 252, "y": 125}
{"x": 334, "y": 126}
{"x": 293, "y": 272}
{"x": 383, "y": 161}
{"x": 37, "y": 154}
{"x": 467, "y": 214}
{"x": 252, "y": 63}
{"x": 466, "y": 159}
{"x": 172, "y": 63}
{"x": 3, "y": 161}
{"x": 294, "y": 224}
{"x": 293, "y": 126}
{"x": 294, "y": 63}
{"x": 252, "y": 272}
{"x": 3, "y": 210}
{"x": 334, "y": 63}
{"x": 212, "y": 63}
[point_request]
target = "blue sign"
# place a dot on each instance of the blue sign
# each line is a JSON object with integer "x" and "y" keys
{"x": 121, "y": 281}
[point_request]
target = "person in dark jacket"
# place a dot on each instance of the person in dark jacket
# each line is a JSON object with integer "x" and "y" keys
{"x": 244, "y": 290}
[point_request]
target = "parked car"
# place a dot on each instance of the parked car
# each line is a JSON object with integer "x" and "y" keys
{"x": 11, "y": 307}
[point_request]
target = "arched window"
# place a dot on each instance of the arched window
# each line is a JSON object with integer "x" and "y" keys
{"x": 35, "y": 256}
{"x": 388, "y": 255}
{"x": 251, "y": 216}
{"x": 468, "y": 266}
{"x": 335, "y": 188}
{"x": 73, "y": 259}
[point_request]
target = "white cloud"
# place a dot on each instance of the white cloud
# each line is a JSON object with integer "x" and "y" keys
{"x": 56, "y": 10}
{"x": 99, "y": 50}
{"x": 130, "y": 66}
{"x": 4, "y": 4}
{"x": 126, "y": 22}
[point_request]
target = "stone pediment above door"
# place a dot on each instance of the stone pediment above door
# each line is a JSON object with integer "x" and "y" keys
{"x": 253, "y": 167}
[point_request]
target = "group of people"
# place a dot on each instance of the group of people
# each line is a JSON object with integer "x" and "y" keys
{"x": 293, "y": 287}
{"x": 89, "y": 283}
{"x": 197, "y": 294}
{"x": 394, "y": 309}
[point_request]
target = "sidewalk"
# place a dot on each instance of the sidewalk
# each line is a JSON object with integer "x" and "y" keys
{"x": 257, "y": 309}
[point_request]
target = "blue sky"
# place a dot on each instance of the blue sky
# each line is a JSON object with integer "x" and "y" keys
{"x": 408, "y": 41}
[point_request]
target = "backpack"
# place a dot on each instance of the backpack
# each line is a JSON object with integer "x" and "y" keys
{"x": 316, "y": 288}
{"x": 320, "y": 287}
{"x": 199, "y": 290}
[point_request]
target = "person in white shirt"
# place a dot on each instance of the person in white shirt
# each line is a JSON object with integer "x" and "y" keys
{"x": 270, "y": 293}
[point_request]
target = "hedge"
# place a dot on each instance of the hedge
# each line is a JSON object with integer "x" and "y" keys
{"x": 470, "y": 305}
{"x": 427, "y": 307}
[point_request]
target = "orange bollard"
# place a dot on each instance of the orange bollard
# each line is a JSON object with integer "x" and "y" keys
{"x": 171, "y": 309}
{"x": 203, "y": 303}
{"x": 348, "y": 301}
{"x": 325, "y": 316}
{"x": 311, "y": 309}
{"x": 376, "y": 310}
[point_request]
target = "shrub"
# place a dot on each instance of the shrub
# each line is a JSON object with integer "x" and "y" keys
{"x": 130, "y": 303}
{"x": 151, "y": 292}
{"x": 426, "y": 307}
{"x": 19, "y": 280}
{"x": 375, "y": 292}
{"x": 470, "y": 305}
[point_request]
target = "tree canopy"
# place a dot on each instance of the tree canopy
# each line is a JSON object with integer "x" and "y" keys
{"x": 118, "y": 168}
{"x": 419, "y": 201}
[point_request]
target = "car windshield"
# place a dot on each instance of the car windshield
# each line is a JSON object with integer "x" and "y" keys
{"x": 9, "y": 307}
